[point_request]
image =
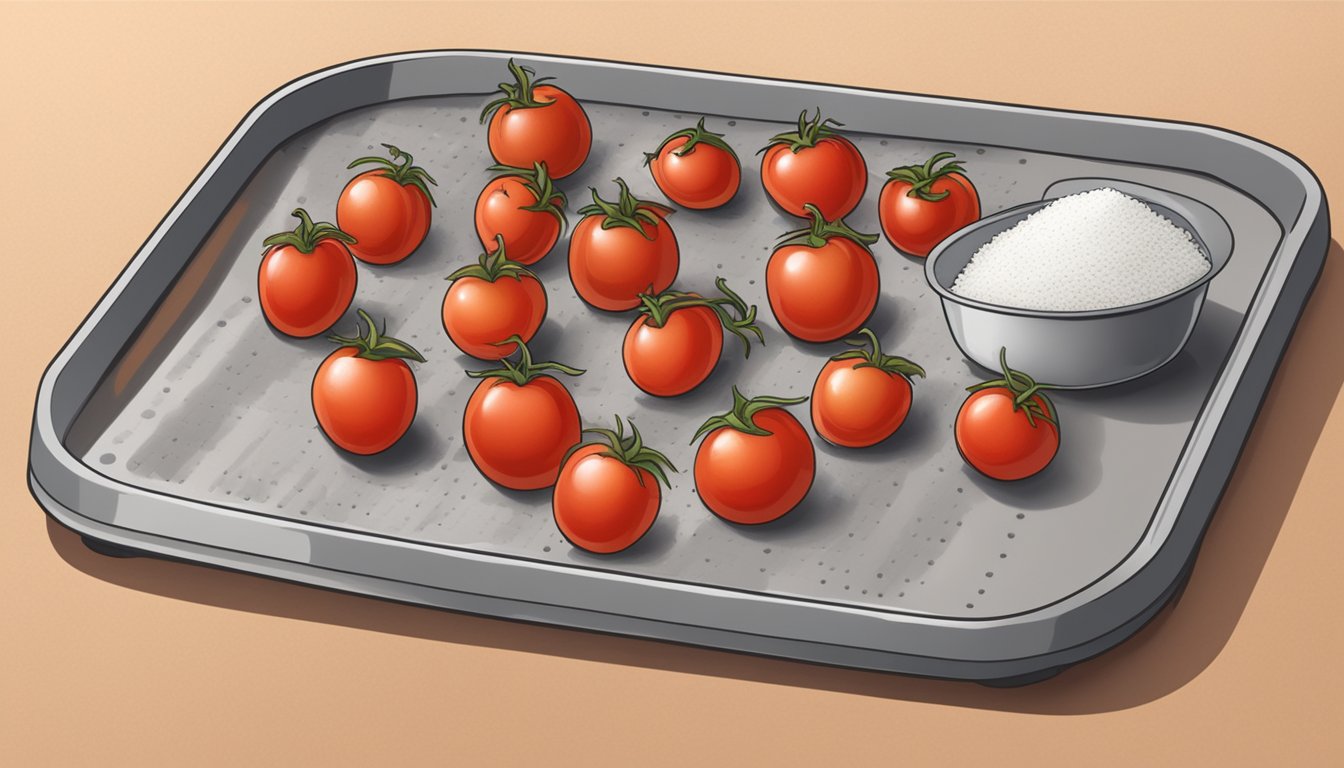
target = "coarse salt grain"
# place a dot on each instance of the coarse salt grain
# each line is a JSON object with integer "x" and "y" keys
{"x": 1093, "y": 250}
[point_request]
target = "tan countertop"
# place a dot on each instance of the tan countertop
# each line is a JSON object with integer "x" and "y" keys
{"x": 110, "y": 111}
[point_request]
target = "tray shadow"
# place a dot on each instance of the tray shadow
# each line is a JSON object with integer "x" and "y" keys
{"x": 1170, "y": 651}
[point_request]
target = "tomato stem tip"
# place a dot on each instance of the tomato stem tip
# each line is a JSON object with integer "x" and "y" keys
{"x": 376, "y": 345}
{"x": 740, "y": 321}
{"x": 921, "y": 177}
{"x": 808, "y": 134}
{"x": 627, "y": 211}
{"x": 492, "y": 265}
{"x": 307, "y": 234}
{"x": 694, "y": 136}
{"x": 820, "y": 231}
{"x": 742, "y": 415}
{"x": 525, "y": 369}
{"x": 1028, "y": 394}
{"x": 630, "y": 450}
{"x": 401, "y": 169}
{"x": 518, "y": 94}
{"x": 874, "y": 358}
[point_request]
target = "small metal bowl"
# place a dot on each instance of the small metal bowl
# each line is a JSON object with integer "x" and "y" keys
{"x": 1079, "y": 350}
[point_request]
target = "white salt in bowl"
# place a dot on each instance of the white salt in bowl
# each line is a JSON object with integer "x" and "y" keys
{"x": 1079, "y": 349}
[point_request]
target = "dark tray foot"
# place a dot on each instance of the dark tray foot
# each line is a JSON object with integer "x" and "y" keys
{"x": 110, "y": 550}
{"x": 1021, "y": 680}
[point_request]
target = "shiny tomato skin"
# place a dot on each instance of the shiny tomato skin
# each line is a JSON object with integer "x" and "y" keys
{"x": 601, "y": 504}
{"x": 914, "y": 225}
{"x": 388, "y": 219}
{"x": 857, "y": 407}
{"x": 831, "y": 175}
{"x": 677, "y": 357}
{"x": 754, "y": 479}
{"x": 304, "y": 294}
{"x": 610, "y": 267}
{"x": 999, "y": 441}
{"x": 557, "y": 134}
{"x": 517, "y": 436}
{"x": 822, "y": 294}
{"x": 479, "y": 313}
{"x": 363, "y": 406}
{"x": 706, "y": 177}
{"x": 528, "y": 235}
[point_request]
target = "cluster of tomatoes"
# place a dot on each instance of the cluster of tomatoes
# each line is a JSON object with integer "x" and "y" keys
{"x": 364, "y": 393}
{"x": 522, "y": 427}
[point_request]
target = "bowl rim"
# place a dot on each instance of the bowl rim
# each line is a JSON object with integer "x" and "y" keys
{"x": 946, "y": 294}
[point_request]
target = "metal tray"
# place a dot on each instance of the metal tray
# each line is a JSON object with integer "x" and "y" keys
{"x": 175, "y": 423}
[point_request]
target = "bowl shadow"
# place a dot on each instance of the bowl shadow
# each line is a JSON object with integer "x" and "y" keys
{"x": 1167, "y": 653}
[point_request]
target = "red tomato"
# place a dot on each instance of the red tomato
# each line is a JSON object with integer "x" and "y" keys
{"x": 511, "y": 207}
{"x": 920, "y": 205}
{"x": 519, "y": 423}
{"x": 674, "y": 344}
{"x": 756, "y": 462}
{"x": 696, "y": 168}
{"x": 1004, "y": 440}
{"x": 490, "y": 301}
{"x": 814, "y": 165}
{"x": 862, "y": 397}
{"x": 621, "y": 250}
{"x": 607, "y": 495}
{"x": 822, "y": 283}
{"x": 307, "y": 278}
{"x": 386, "y": 210}
{"x": 364, "y": 394}
{"x": 537, "y": 124}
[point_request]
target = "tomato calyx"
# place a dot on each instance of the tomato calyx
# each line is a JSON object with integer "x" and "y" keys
{"x": 920, "y": 177}
{"x": 820, "y": 231}
{"x": 307, "y": 235}
{"x": 376, "y": 345}
{"x": 537, "y": 180}
{"x": 1028, "y": 395}
{"x": 518, "y": 94}
{"x": 808, "y": 134}
{"x": 627, "y": 211}
{"x": 525, "y": 369}
{"x": 697, "y": 135}
{"x": 403, "y": 170}
{"x": 658, "y": 308}
{"x": 630, "y": 450}
{"x": 742, "y": 415}
{"x": 875, "y": 359}
{"x": 494, "y": 265}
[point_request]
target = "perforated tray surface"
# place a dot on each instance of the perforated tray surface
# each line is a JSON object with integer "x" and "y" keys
{"x": 206, "y": 403}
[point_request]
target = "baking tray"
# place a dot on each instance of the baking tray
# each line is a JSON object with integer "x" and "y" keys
{"x": 176, "y": 423}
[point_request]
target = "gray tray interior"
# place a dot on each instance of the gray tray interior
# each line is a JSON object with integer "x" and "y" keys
{"x": 209, "y": 404}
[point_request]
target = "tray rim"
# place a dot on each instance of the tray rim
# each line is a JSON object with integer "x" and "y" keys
{"x": 49, "y": 457}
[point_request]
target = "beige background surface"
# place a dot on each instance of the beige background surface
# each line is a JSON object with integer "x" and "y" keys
{"x": 109, "y": 111}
